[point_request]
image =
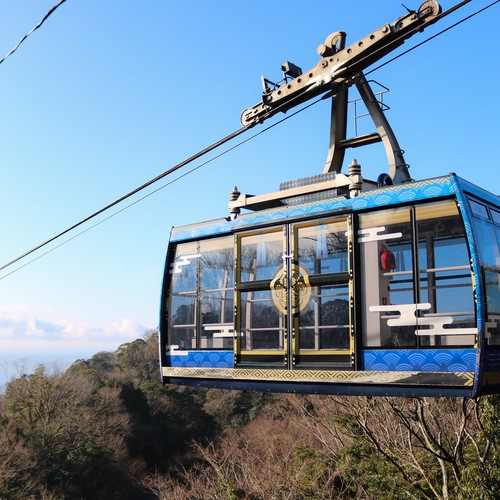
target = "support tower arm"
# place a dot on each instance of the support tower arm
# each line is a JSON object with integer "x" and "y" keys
{"x": 339, "y": 65}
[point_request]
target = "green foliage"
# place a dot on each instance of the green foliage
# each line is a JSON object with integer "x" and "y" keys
{"x": 365, "y": 470}
{"x": 348, "y": 422}
{"x": 138, "y": 360}
{"x": 95, "y": 429}
{"x": 314, "y": 466}
{"x": 71, "y": 430}
{"x": 481, "y": 476}
{"x": 235, "y": 409}
{"x": 231, "y": 491}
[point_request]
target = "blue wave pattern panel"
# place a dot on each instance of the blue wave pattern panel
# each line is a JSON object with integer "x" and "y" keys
{"x": 449, "y": 360}
{"x": 202, "y": 359}
{"x": 391, "y": 195}
{"x": 432, "y": 360}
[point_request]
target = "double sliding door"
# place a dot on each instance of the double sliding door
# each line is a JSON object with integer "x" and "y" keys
{"x": 294, "y": 296}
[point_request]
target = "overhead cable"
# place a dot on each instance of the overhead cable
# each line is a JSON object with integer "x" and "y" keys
{"x": 128, "y": 195}
{"x": 45, "y": 17}
{"x": 432, "y": 37}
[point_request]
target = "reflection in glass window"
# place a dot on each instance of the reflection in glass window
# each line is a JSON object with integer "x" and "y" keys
{"x": 201, "y": 295}
{"x": 478, "y": 209}
{"x": 487, "y": 240}
{"x": 216, "y": 297}
{"x": 438, "y": 308}
{"x": 445, "y": 276}
{"x": 262, "y": 326}
{"x": 323, "y": 305}
{"x": 183, "y": 286}
{"x": 385, "y": 240}
{"x": 492, "y": 282}
{"x": 323, "y": 248}
{"x": 324, "y": 323}
{"x": 261, "y": 255}
{"x": 261, "y": 309}
{"x": 496, "y": 216}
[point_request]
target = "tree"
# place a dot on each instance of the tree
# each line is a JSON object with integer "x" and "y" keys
{"x": 138, "y": 360}
{"x": 74, "y": 432}
{"x": 430, "y": 447}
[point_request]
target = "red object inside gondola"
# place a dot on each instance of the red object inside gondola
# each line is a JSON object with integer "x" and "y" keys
{"x": 388, "y": 260}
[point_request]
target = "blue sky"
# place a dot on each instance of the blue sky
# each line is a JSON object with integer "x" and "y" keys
{"x": 108, "y": 94}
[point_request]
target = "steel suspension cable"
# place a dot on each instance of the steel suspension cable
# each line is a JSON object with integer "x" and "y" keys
{"x": 129, "y": 194}
{"x": 432, "y": 37}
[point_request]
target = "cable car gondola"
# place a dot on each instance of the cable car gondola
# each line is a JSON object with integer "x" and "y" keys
{"x": 336, "y": 284}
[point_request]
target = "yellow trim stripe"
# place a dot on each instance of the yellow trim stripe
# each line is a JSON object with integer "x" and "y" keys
{"x": 338, "y": 377}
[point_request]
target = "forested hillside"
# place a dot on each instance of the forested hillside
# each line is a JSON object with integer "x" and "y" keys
{"x": 107, "y": 428}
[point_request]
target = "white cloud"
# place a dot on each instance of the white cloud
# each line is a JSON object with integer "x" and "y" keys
{"x": 29, "y": 331}
{"x": 128, "y": 328}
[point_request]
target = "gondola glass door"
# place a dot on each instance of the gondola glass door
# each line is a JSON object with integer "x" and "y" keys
{"x": 322, "y": 295}
{"x": 261, "y": 325}
{"x": 294, "y": 297}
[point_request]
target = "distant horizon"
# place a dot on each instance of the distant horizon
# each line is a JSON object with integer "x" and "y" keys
{"x": 13, "y": 366}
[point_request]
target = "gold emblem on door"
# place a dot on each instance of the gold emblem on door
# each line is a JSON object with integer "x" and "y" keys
{"x": 298, "y": 284}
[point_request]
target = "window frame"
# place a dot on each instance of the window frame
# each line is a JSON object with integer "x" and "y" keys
{"x": 495, "y": 226}
{"x": 415, "y": 275}
{"x": 198, "y": 299}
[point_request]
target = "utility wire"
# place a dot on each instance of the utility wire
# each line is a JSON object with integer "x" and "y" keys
{"x": 143, "y": 197}
{"x": 44, "y": 18}
{"x": 171, "y": 170}
{"x": 189, "y": 160}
